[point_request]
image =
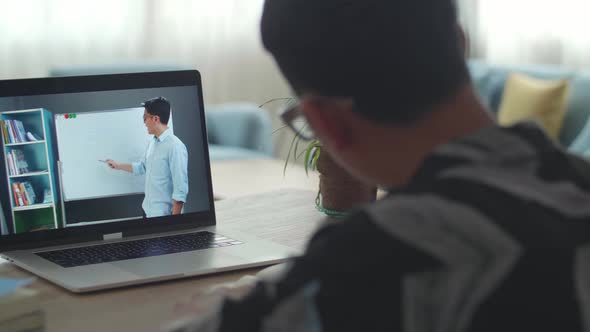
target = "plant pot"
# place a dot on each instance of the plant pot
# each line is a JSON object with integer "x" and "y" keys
{"x": 339, "y": 190}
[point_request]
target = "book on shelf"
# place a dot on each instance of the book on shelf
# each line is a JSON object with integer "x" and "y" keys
{"x": 11, "y": 164}
{"x": 4, "y": 131}
{"x": 16, "y": 125}
{"x": 17, "y": 162}
{"x": 24, "y": 194}
{"x": 26, "y": 197}
{"x": 18, "y": 198}
{"x": 14, "y": 131}
{"x": 30, "y": 192}
{"x": 47, "y": 196}
{"x": 21, "y": 162}
{"x": 20, "y": 128}
{"x": 8, "y": 126}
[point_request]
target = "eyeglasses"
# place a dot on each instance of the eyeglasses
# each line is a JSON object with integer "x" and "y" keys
{"x": 146, "y": 116}
{"x": 294, "y": 118}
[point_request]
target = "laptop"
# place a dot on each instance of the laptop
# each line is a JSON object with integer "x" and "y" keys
{"x": 71, "y": 218}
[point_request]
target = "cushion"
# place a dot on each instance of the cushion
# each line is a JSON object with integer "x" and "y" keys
{"x": 581, "y": 144}
{"x": 527, "y": 98}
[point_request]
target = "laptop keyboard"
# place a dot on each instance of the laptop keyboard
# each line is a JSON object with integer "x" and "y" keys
{"x": 119, "y": 251}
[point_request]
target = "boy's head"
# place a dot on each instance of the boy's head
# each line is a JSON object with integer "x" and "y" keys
{"x": 396, "y": 59}
{"x": 381, "y": 82}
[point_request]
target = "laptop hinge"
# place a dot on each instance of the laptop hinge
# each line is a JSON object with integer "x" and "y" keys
{"x": 112, "y": 236}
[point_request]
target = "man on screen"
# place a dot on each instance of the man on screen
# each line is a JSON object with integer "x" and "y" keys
{"x": 164, "y": 163}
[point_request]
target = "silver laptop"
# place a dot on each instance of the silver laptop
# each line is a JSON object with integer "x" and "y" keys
{"x": 105, "y": 182}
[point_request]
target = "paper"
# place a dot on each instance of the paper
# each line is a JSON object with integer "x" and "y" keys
{"x": 9, "y": 285}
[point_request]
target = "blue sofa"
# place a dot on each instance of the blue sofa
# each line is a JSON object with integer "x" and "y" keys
{"x": 575, "y": 134}
{"x": 234, "y": 130}
{"x": 238, "y": 131}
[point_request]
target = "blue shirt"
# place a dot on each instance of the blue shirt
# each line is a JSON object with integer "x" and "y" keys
{"x": 165, "y": 167}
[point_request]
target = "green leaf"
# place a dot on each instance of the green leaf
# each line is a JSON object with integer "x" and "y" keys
{"x": 276, "y": 130}
{"x": 287, "y": 99}
{"x": 298, "y": 140}
{"x": 289, "y": 154}
{"x": 310, "y": 151}
{"x": 314, "y": 161}
{"x": 296, "y": 148}
{"x": 306, "y": 159}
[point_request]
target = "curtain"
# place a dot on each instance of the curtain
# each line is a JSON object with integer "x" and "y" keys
{"x": 220, "y": 38}
{"x": 528, "y": 31}
{"x": 39, "y": 34}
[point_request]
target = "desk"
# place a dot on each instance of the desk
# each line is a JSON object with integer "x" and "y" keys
{"x": 286, "y": 216}
{"x": 235, "y": 178}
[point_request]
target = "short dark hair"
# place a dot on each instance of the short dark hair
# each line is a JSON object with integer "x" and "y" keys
{"x": 396, "y": 58}
{"x": 159, "y": 106}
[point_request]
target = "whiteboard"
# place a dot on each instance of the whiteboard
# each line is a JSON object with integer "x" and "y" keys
{"x": 89, "y": 137}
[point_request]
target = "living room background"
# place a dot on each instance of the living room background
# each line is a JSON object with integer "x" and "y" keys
{"x": 221, "y": 38}
{"x": 529, "y": 31}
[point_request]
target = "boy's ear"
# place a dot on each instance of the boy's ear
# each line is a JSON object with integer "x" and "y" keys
{"x": 330, "y": 122}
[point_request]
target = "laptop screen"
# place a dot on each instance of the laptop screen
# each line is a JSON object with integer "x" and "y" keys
{"x": 78, "y": 153}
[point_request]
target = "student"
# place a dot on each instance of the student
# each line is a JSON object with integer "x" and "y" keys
{"x": 485, "y": 228}
{"x": 164, "y": 164}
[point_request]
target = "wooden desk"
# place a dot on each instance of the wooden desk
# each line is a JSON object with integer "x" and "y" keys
{"x": 285, "y": 216}
{"x": 235, "y": 178}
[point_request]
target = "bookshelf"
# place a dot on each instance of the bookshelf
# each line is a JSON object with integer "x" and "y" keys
{"x": 29, "y": 162}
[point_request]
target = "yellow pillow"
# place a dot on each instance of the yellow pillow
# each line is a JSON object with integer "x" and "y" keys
{"x": 527, "y": 98}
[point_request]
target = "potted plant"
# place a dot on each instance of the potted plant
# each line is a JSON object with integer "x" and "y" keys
{"x": 338, "y": 191}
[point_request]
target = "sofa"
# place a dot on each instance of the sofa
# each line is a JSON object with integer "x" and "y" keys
{"x": 238, "y": 131}
{"x": 490, "y": 79}
{"x": 234, "y": 130}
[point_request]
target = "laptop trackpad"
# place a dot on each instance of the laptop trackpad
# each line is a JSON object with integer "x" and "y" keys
{"x": 185, "y": 263}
